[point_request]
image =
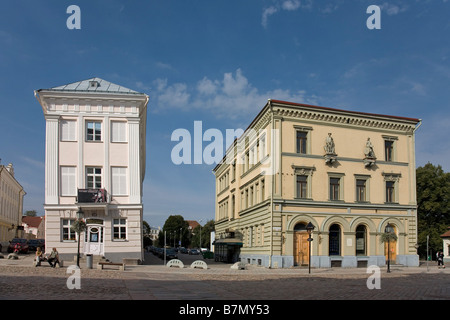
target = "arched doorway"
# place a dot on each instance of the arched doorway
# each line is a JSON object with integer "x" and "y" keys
{"x": 94, "y": 240}
{"x": 391, "y": 246}
{"x": 361, "y": 240}
{"x": 301, "y": 247}
{"x": 335, "y": 240}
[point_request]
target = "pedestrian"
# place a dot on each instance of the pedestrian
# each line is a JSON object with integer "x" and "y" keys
{"x": 39, "y": 256}
{"x": 53, "y": 257}
{"x": 440, "y": 259}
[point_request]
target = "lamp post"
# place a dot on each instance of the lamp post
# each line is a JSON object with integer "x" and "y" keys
{"x": 389, "y": 230}
{"x": 200, "y": 235}
{"x": 309, "y": 227}
{"x": 79, "y": 229}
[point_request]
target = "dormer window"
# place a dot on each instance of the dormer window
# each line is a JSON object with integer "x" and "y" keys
{"x": 94, "y": 84}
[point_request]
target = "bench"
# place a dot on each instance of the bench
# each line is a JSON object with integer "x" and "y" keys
{"x": 102, "y": 264}
{"x": 175, "y": 263}
{"x": 199, "y": 264}
{"x": 61, "y": 262}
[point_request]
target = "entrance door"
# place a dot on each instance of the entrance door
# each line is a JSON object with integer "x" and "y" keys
{"x": 392, "y": 249}
{"x": 94, "y": 240}
{"x": 301, "y": 249}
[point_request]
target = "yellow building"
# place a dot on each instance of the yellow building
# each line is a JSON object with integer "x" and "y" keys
{"x": 350, "y": 174}
{"x": 11, "y": 206}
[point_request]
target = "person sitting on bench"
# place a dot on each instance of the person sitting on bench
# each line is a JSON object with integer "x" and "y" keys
{"x": 39, "y": 256}
{"x": 53, "y": 258}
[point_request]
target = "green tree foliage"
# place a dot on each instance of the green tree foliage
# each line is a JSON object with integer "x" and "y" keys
{"x": 175, "y": 227}
{"x": 433, "y": 201}
{"x": 206, "y": 235}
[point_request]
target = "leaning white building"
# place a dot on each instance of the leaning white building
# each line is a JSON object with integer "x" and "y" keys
{"x": 94, "y": 161}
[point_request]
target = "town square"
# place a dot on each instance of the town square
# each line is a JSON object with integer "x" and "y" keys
{"x": 225, "y": 159}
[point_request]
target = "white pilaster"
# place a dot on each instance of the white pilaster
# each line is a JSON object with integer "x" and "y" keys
{"x": 51, "y": 160}
{"x": 134, "y": 165}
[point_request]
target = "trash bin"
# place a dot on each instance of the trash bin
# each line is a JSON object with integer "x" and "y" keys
{"x": 89, "y": 260}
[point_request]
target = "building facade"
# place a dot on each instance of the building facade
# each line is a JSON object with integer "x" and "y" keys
{"x": 33, "y": 227}
{"x": 350, "y": 174}
{"x": 11, "y": 205}
{"x": 446, "y": 245}
{"x": 94, "y": 161}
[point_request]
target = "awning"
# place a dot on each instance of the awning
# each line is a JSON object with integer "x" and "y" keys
{"x": 228, "y": 241}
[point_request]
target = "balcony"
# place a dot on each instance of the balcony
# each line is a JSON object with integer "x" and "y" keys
{"x": 92, "y": 196}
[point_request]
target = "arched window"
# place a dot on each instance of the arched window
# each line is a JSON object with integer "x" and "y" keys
{"x": 361, "y": 240}
{"x": 300, "y": 227}
{"x": 335, "y": 240}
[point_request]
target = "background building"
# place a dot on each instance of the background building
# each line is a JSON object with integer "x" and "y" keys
{"x": 348, "y": 173}
{"x": 33, "y": 227}
{"x": 94, "y": 161}
{"x": 11, "y": 205}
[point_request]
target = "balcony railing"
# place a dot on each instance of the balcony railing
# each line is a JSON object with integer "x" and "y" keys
{"x": 92, "y": 196}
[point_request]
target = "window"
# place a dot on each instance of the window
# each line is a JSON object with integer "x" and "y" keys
{"x": 120, "y": 229}
{"x": 67, "y": 233}
{"x": 361, "y": 240}
{"x": 68, "y": 130}
{"x": 118, "y": 131}
{"x": 68, "y": 181}
{"x": 361, "y": 190}
{"x": 119, "y": 181}
{"x": 93, "y": 131}
{"x": 335, "y": 188}
{"x": 389, "y": 150}
{"x": 390, "y": 191}
{"x": 335, "y": 240}
{"x": 302, "y": 142}
{"x": 302, "y": 187}
{"x": 94, "y": 178}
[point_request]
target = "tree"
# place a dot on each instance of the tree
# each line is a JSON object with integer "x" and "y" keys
{"x": 175, "y": 227}
{"x": 206, "y": 235}
{"x": 31, "y": 213}
{"x": 147, "y": 241}
{"x": 433, "y": 202}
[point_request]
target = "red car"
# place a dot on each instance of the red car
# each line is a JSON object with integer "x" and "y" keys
{"x": 20, "y": 245}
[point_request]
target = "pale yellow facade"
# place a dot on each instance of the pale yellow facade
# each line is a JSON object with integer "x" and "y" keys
{"x": 348, "y": 173}
{"x": 11, "y": 205}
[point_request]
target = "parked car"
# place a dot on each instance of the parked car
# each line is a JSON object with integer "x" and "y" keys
{"x": 171, "y": 254}
{"x": 194, "y": 251}
{"x": 33, "y": 244}
{"x": 20, "y": 244}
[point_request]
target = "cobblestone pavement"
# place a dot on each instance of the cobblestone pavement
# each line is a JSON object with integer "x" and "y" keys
{"x": 19, "y": 280}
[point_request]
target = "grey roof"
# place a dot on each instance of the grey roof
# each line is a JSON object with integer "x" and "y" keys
{"x": 85, "y": 86}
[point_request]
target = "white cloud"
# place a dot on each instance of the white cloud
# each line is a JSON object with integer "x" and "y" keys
{"x": 266, "y": 14}
{"x": 393, "y": 9}
{"x": 232, "y": 96}
{"x": 284, "y": 5}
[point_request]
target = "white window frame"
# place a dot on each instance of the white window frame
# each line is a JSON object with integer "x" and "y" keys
{"x": 95, "y": 137}
{"x": 120, "y": 223}
{"x": 69, "y": 230}
{"x": 95, "y": 177}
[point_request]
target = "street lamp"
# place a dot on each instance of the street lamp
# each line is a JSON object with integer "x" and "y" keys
{"x": 389, "y": 230}
{"x": 309, "y": 227}
{"x": 200, "y": 235}
{"x": 79, "y": 229}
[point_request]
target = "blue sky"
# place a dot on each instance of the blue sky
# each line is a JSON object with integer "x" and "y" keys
{"x": 218, "y": 62}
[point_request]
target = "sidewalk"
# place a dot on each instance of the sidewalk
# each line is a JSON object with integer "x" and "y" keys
{"x": 20, "y": 280}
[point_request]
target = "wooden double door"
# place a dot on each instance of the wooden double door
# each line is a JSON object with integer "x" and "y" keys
{"x": 301, "y": 248}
